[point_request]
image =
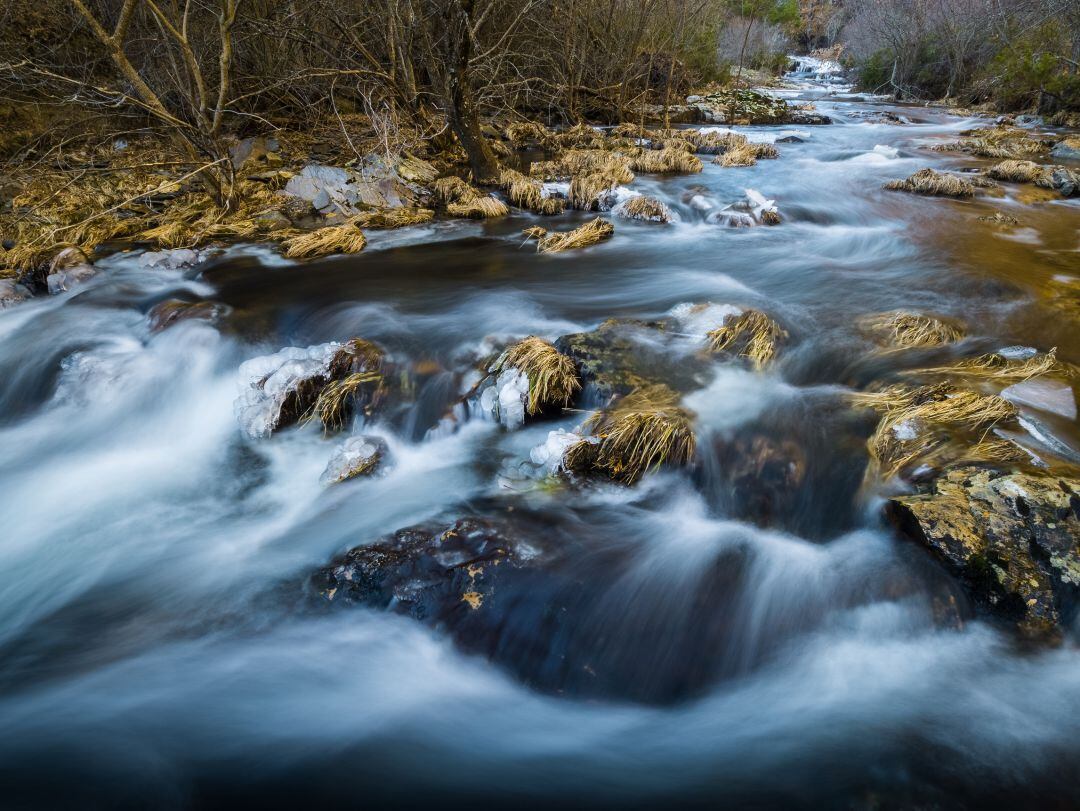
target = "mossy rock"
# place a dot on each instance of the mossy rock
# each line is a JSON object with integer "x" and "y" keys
{"x": 1011, "y": 538}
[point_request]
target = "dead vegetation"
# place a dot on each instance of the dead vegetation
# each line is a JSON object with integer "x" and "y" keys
{"x": 934, "y": 184}
{"x": 642, "y": 432}
{"x": 750, "y": 334}
{"x": 393, "y": 217}
{"x": 666, "y": 161}
{"x": 553, "y": 379}
{"x": 903, "y": 329}
{"x": 644, "y": 208}
{"x": 997, "y": 368}
{"x": 997, "y": 142}
{"x": 932, "y": 425}
{"x": 745, "y": 154}
{"x": 583, "y": 236}
{"x": 464, "y": 200}
{"x": 332, "y": 239}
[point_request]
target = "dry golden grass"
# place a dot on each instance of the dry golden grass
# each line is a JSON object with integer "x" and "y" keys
{"x": 416, "y": 170}
{"x": 643, "y": 431}
{"x": 393, "y": 217}
{"x": 742, "y": 155}
{"x": 997, "y": 368}
{"x": 770, "y": 217}
{"x": 535, "y": 232}
{"x": 751, "y": 334}
{"x": 906, "y": 329}
{"x": 333, "y": 407}
{"x": 325, "y": 241}
{"x": 920, "y": 425}
{"x": 582, "y": 237}
{"x": 645, "y": 208}
{"x": 585, "y": 190}
{"x": 1020, "y": 171}
{"x": 553, "y": 379}
{"x": 523, "y": 192}
{"x": 519, "y": 133}
{"x": 997, "y": 142}
{"x": 479, "y": 208}
{"x": 666, "y": 162}
{"x": 715, "y": 143}
{"x": 463, "y": 200}
{"x": 936, "y": 184}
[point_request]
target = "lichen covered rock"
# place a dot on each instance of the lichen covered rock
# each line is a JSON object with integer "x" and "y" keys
{"x": 1012, "y": 539}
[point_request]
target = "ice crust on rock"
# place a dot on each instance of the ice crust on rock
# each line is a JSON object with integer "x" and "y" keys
{"x": 266, "y": 381}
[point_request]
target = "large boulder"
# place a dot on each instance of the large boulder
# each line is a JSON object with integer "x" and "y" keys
{"x": 337, "y": 190}
{"x": 1011, "y": 538}
{"x": 575, "y": 603}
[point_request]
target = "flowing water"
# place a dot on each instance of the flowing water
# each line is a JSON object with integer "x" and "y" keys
{"x": 725, "y": 645}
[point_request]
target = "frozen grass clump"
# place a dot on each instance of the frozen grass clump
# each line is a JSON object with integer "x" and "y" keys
{"x": 934, "y": 184}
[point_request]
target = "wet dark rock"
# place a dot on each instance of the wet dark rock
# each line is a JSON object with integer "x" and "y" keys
{"x": 1011, "y": 538}
{"x": 798, "y": 468}
{"x": 575, "y": 603}
{"x": 540, "y": 598}
{"x": 620, "y": 356}
{"x": 808, "y": 117}
{"x": 1068, "y": 149}
{"x": 172, "y": 311}
{"x": 791, "y": 139}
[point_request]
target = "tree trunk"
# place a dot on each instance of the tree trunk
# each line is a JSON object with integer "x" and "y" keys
{"x": 460, "y": 108}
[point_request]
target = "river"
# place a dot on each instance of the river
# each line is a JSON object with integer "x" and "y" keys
{"x": 154, "y": 647}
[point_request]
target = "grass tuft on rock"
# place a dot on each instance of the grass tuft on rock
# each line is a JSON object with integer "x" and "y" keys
{"x": 934, "y": 184}
{"x": 666, "y": 162}
{"x": 464, "y": 200}
{"x": 751, "y": 334}
{"x": 643, "y": 431}
{"x": 393, "y": 217}
{"x": 325, "y": 241}
{"x": 903, "y": 329}
{"x": 335, "y": 404}
{"x": 584, "y": 236}
{"x": 997, "y": 368}
{"x": 921, "y": 425}
{"x": 553, "y": 378}
{"x": 645, "y": 208}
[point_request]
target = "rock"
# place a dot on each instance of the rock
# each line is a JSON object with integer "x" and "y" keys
{"x": 791, "y": 139}
{"x": 357, "y": 456}
{"x": 272, "y": 220}
{"x": 333, "y": 189}
{"x": 279, "y": 390}
{"x": 620, "y": 356}
{"x": 1011, "y": 538}
{"x": 172, "y": 311}
{"x": 257, "y": 153}
{"x": 1065, "y": 181}
{"x": 1068, "y": 149}
{"x": 12, "y": 293}
{"x": 808, "y": 117}
{"x": 565, "y": 602}
{"x": 68, "y": 267}
{"x": 172, "y": 259}
{"x": 68, "y": 258}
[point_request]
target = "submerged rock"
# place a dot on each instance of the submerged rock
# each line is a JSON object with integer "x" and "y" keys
{"x": 12, "y": 293}
{"x": 619, "y": 356}
{"x": 172, "y": 311}
{"x": 1011, "y": 538}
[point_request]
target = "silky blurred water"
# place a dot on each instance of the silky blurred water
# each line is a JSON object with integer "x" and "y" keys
{"x": 155, "y": 649}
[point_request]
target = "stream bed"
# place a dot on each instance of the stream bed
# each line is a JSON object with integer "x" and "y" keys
{"x": 698, "y": 639}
